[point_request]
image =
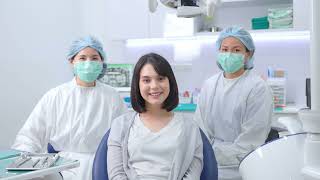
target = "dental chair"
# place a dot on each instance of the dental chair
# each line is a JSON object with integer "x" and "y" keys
{"x": 209, "y": 171}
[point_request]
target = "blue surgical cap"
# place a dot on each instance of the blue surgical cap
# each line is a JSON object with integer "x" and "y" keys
{"x": 243, "y": 36}
{"x": 84, "y": 42}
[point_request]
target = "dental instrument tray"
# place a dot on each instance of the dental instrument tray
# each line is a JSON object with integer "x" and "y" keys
{"x": 32, "y": 161}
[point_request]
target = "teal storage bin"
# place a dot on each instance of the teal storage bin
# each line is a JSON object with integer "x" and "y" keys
{"x": 186, "y": 108}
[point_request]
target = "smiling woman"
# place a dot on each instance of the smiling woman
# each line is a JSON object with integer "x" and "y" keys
{"x": 154, "y": 72}
{"x": 154, "y": 142}
{"x": 154, "y": 88}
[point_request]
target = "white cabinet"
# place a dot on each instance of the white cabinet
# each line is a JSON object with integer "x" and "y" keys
{"x": 131, "y": 19}
{"x": 113, "y": 22}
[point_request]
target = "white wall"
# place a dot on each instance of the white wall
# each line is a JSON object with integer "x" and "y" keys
{"x": 34, "y": 38}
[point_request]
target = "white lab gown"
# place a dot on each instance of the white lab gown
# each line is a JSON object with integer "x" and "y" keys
{"x": 236, "y": 119}
{"x": 73, "y": 119}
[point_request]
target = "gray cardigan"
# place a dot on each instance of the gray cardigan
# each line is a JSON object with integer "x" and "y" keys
{"x": 187, "y": 163}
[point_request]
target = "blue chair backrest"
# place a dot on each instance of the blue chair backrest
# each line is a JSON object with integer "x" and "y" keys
{"x": 210, "y": 168}
{"x": 209, "y": 171}
{"x": 51, "y": 149}
{"x": 99, "y": 168}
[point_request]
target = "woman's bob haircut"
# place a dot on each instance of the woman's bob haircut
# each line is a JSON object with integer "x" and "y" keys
{"x": 163, "y": 68}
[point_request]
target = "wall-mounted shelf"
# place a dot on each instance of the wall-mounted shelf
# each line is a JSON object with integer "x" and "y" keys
{"x": 279, "y": 34}
{"x": 242, "y": 3}
{"x": 266, "y": 34}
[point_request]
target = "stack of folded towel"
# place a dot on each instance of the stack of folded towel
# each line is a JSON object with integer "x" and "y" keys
{"x": 280, "y": 18}
{"x": 260, "y": 23}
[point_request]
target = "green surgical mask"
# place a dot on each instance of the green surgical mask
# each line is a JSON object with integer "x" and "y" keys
{"x": 87, "y": 71}
{"x": 231, "y": 62}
